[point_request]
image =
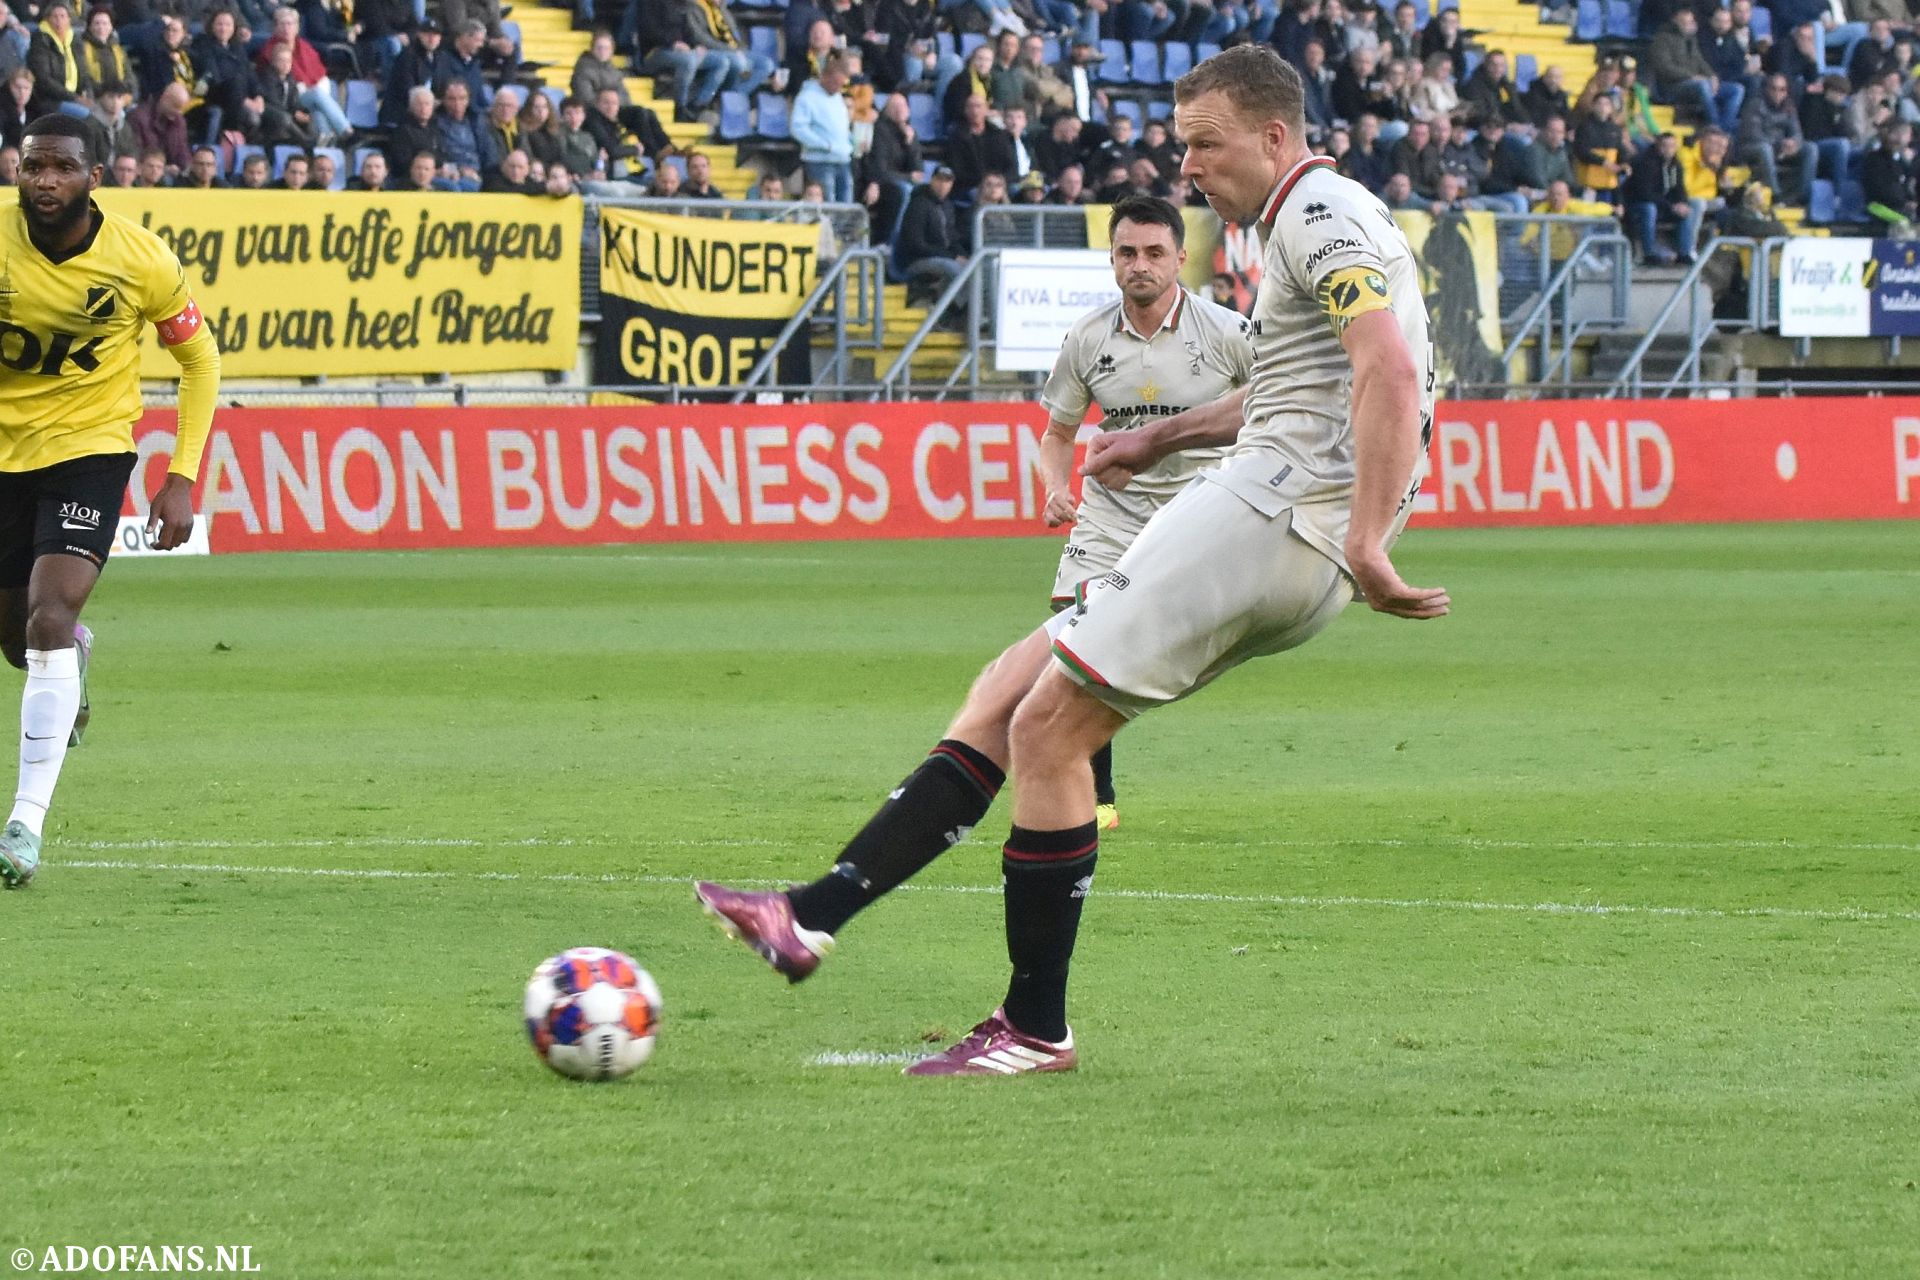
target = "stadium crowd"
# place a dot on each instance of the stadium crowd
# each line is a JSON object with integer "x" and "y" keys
{"x": 924, "y": 109}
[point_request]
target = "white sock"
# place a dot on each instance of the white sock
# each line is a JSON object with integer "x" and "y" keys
{"x": 47, "y": 710}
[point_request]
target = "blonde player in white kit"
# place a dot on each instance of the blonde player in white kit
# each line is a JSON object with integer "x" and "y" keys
{"x": 1154, "y": 352}
{"x": 1256, "y": 556}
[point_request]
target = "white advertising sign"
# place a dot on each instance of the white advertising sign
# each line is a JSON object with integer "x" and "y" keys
{"x": 1824, "y": 288}
{"x": 132, "y": 540}
{"x": 1041, "y": 292}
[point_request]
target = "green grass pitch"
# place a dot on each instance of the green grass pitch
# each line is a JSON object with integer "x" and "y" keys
{"x": 1577, "y": 935}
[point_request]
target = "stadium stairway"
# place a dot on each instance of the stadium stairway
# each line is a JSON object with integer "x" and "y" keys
{"x": 547, "y": 37}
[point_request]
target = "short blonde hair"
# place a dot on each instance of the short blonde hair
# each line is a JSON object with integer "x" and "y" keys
{"x": 1259, "y": 83}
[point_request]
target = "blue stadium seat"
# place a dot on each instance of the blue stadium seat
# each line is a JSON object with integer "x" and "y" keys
{"x": 1159, "y": 109}
{"x": 281, "y": 155}
{"x": 1131, "y": 110}
{"x": 764, "y": 41}
{"x": 1051, "y": 53}
{"x": 1176, "y": 59}
{"x": 773, "y": 116}
{"x": 340, "y": 174}
{"x": 1762, "y": 23}
{"x": 360, "y": 154}
{"x": 1421, "y": 12}
{"x": 1622, "y": 22}
{"x": 556, "y": 94}
{"x": 1590, "y": 20}
{"x": 969, "y": 42}
{"x": 1203, "y": 51}
{"x": 363, "y": 104}
{"x": 924, "y": 113}
{"x": 1853, "y": 202}
{"x": 1825, "y": 203}
{"x": 240, "y": 155}
{"x": 1113, "y": 63}
{"x": 1143, "y": 62}
{"x": 1526, "y": 68}
{"x": 1474, "y": 59}
{"x": 736, "y": 116}
{"x": 944, "y": 43}
{"x": 676, "y": 163}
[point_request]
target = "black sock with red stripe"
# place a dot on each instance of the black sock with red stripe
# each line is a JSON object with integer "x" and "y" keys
{"x": 933, "y": 810}
{"x": 1048, "y": 874}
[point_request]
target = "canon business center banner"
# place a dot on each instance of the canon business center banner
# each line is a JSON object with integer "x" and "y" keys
{"x": 303, "y": 479}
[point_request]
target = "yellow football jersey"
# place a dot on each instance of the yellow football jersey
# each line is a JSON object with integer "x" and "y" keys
{"x": 70, "y": 338}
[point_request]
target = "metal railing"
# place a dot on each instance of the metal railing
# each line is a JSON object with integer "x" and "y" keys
{"x": 1631, "y": 379}
{"x": 868, "y": 267}
{"x": 897, "y": 382}
{"x": 1556, "y": 299}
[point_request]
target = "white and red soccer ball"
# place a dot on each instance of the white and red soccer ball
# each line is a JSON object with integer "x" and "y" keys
{"x": 592, "y": 1013}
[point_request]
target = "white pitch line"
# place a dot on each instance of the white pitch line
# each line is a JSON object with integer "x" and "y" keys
{"x": 864, "y": 1058}
{"x": 1318, "y": 902}
{"x": 751, "y": 842}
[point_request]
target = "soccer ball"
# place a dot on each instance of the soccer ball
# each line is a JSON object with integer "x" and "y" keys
{"x": 592, "y": 1013}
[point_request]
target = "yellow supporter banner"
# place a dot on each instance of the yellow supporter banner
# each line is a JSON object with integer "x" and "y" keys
{"x": 696, "y": 302}
{"x": 296, "y": 284}
{"x": 1203, "y": 240}
{"x": 1459, "y": 257}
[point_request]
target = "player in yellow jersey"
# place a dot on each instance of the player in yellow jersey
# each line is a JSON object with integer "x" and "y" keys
{"x": 77, "y": 289}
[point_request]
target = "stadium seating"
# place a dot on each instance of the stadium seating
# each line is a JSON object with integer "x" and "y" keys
{"x": 1590, "y": 20}
{"x": 363, "y": 104}
{"x": 924, "y": 113}
{"x": 280, "y": 157}
{"x": 764, "y": 41}
{"x": 1175, "y": 61}
{"x": 1143, "y": 62}
{"x": 736, "y": 117}
{"x": 773, "y": 116}
{"x": 1113, "y": 63}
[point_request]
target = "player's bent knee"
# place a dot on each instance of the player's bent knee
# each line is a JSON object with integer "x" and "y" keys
{"x": 49, "y": 626}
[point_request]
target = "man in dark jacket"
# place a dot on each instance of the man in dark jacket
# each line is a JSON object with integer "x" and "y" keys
{"x": 1888, "y": 175}
{"x": 413, "y": 67}
{"x": 1489, "y": 94}
{"x": 414, "y": 134}
{"x": 1656, "y": 195}
{"x": 928, "y": 249}
{"x": 1417, "y": 157}
{"x": 1682, "y": 76}
{"x": 979, "y": 148}
{"x": 1366, "y": 161}
{"x": 887, "y": 172}
{"x": 1772, "y": 143}
{"x": 1546, "y": 97}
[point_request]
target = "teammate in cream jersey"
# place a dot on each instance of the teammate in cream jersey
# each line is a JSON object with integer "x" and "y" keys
{"x": 1154, "y": 352}
{"x": 1257, "y": 556}
{"x": 1332, "y": 253}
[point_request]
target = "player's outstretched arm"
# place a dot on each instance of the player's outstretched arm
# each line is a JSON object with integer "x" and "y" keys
{"x": 187, "y": 338}
{"x": 1386, "y": 443}
{"x": 1114, "y": 458}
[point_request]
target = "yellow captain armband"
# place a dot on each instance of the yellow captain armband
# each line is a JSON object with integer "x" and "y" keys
{"x": 1351, "y": 292}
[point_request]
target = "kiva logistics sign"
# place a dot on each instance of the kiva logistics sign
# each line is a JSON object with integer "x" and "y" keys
{"x": 696, "y": 302}
{"x": 295, "y": 285}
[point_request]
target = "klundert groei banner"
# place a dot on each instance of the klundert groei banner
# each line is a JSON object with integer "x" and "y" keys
{"x": 695, "y": 302}
{"x": 339, "y": 479}
{"x": 296, "y": 284}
